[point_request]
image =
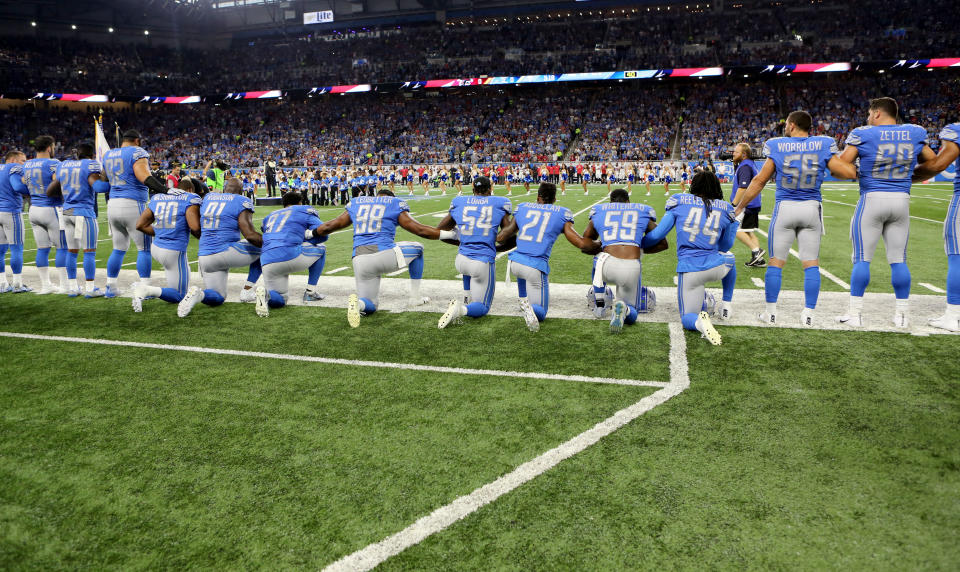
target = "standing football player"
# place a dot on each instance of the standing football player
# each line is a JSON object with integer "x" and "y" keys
{"x": 45, "y": 215}
{"x": 11, "y": 221}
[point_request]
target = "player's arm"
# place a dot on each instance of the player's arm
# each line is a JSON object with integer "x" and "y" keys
{"x": 586, "y": 245}
{"x": 145, "y": 222}
{"x": 949, "y": 151}
{"x": 206, "y": 169}
{"x": 141, "y": 170}
{"x": 53, "y": 189}
{"x": 342, "y": 221}
{"x": 410, "y": 224}
{"x": 16, "y": 182}
{"x": 653, "y": 237}
{"x": 590, "y": 232}
{"x": 842, "y": 169}
{"x": 849, "y": 154}
{"x": 728, "y": 236}
{"x": 756, "y": 185}
{"x": 193, "y": 219}
{"x": 508, "y": 230}
{"x": 659, "y": 246}
{"x": 245, "y": 223}
{"x": 447, "y": 223}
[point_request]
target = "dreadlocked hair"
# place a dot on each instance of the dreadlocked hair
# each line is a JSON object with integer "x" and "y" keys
{"x": 706, "y": 185}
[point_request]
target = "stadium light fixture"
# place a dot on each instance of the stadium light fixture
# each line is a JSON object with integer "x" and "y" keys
{"x": 146, "y": 32}
{"x": 33, "y": 24}
{"x": 110, "y": 30}
{"x": 73, "y": 26}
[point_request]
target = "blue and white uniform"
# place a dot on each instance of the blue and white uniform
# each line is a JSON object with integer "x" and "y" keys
{"x": 222, "y": 246}
{"x": 79, "y": 203}
{"x": 951, "y": 226}
{"x": 12, "y": 233}
{"x": 621, "y": 223}
{"x": 704, "y": 237}
{"x": 171, "y": 237}
{"x": 538, "y": 226}
{"x": 128, "y": 198}
{"x": 285, "y": 251}
{"x": 375, "y": 250}
{"x": 478, "y": 217}
{"x": 45, "y": 217}
{"x": 888, "y": 155}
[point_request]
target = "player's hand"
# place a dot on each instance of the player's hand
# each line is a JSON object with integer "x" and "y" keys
{"x": 738, "y": 216}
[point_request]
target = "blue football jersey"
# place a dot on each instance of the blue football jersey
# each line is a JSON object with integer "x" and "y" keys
{"x": 170, "y": 218}
{"x": 219, "y": 216}
{"x": 801, "y": 164}
{"x": 621, "y": 223}
{"x": 79, "y": 198}
{"x": 11, "y": 201}
{"x": 478, "y": 218}
{"x": 746, "y": 171}
{"x": 283, "y": 232}
{"x": 538, "y": 227}
{"x": 699, "y": 234}
{"x": 888, "y": 155}
{"x": 37, "y": 175}
{"x": 949, "y": 133}
{"x": 375, "y": 220}
{"x": 118, "y": 165}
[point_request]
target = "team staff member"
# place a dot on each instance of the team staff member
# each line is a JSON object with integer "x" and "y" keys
{"x": 745, "y": 171}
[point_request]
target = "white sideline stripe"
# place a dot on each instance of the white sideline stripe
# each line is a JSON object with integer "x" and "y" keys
{"x": 911, "y": 216}
{"x": 930, "y": 198}
{"x": 335, "y": 270}
{"x": 445, "y": 516}
{"x": 757, "y": 282}
{"x": 340, "y": 361}
{"x": 823, "y": 272}
{"x": 933, "y": 288}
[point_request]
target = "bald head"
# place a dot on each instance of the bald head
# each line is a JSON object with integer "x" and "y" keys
{"x": 233, "y": 186}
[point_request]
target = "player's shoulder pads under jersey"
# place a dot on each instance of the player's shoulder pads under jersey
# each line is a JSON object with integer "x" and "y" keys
{"x": 951, "y": 133}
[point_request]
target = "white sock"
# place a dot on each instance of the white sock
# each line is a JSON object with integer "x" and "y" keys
{"x": 248, "y": 285}
{"x": 856, "y": 305}
{"x": 44, "y": 272}
{"x": 91, "y": 286}
{"x": 75, "y": 284}
{"x": 64, "y": 281}
{"x": 16, "y": 280}
{"x": 771, "y": 308}
{"x": 415, "y": 288}
{"x": 953, "y": 311}
{"x": 903, "y": 305}
{"x": 151, "y": 290}
{"x": 111, "y": 281}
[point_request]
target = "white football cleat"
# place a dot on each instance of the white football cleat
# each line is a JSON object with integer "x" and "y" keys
{"x": 261, "y": 295}
{"x": 806, "y": 318}
{"x": 726, "y": 311}
{"x": 619, "y": 315}
{"x": 945, "y": 322}
{"x": 852, "y": 320}
{"x": 192, "y": 298}
{"x": 706, "y": 329}
{"x": 353, "y": 310}
{"x": 47, "y": 288}
{"x": 136, "y": 301}
{"x": 900, "y": 319}
{"x": 529, "y": 316}
{"x": 248, "y": 295}
{"x": 770, "y": 319}
{"x": 454, "y": 312}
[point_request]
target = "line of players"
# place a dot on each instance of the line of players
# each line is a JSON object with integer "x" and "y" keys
{"x": 323, "y": 187}
{"x": 883, "y": 155}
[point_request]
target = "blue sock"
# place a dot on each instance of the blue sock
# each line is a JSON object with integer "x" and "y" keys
{"x": 953, "y": 278}
{"x": 114, "y": 263}
{"x": 771, "y": 284}
{"x": 255, "y": 272}
{"x": 477, "y": 309}
{"x": 60, "y": 258}
{"x": 276, "y": 300}
{"x": 729, "y": 282}
{"x": 689, "y": 321}
{"x": 43, "y": 257}
{"x": 314, "y": 272}
{"x": 859, "y": 278}
{"x": 540, "y": 311}
{"x": 212, "y": 298}
{"x": 416, "y": 268}
{"x": 522, "y": 287}
{"x": 144, "y": 263}
{"x": 811, "y": 286}
{"x": 367, "y": 306}
{"x": 16, "y": 258}
{"x": 631, "y": 315}
{"x": 90, "y": 265}
{"x": 466, "y": 284}
{"x": 900, "y": 278}
{"x": 3, "y": 256}
{"x": 171, "y": 295}
{"x": 71, "y": 263}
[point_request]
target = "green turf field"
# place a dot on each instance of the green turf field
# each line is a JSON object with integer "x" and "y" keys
{"x": 569, "y": 265}
{"x": 791, "y": 449}
{"x": 116, "y": 457}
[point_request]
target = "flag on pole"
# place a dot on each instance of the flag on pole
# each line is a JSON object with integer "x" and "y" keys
{"x": 101, "y": 146}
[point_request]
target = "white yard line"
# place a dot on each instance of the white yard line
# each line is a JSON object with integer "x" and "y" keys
{"x": 348, "y": 362}
{"x": 757, "y": 282}
{"x": 911, "y": 216}
{"x": 826, "y": 274}
{"x": 335, "y": 270}
{"x": 445, "y": 516}
{"x": 933, "y": 288}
